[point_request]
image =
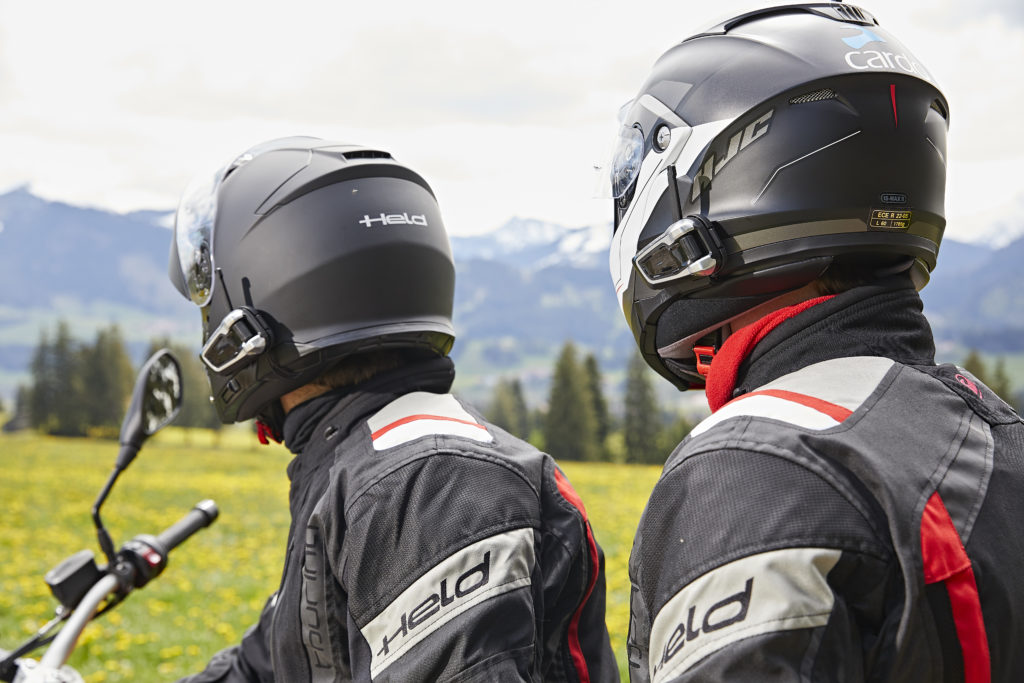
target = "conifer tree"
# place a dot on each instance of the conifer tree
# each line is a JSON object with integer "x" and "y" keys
{"x": 522, "y": 411}
{"x": 1000, "y": 383}
{"x": 69, "y": 409}
{"x": 570, "y": 431}
{"x": 975, "y": 365}
{"x": 508, "y": 410}
{"x": 641, "y": 421}
{"x": 602, "y": 421}
{"x": 21, "y": 417}
{"x": 58, "y": 401}
{"x": 42, "y": 394}
{"x": 107, "y": 378}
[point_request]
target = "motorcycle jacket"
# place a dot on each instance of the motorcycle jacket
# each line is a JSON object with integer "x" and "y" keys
{"x": 425, "y": 544}
{"x": 849, "y": 512}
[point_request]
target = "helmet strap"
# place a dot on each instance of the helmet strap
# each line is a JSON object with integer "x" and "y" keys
{"x": 270, "y": 423}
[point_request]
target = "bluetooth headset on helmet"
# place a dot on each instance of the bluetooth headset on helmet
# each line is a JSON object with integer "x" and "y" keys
{"x": 301, "y": 252}
{"x": 757, "y": 154}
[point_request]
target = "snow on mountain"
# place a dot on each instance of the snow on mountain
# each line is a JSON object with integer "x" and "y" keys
{"x": 532, "y": 245}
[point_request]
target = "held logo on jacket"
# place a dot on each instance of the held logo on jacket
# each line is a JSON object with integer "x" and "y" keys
{"x": 780, "y": 590}
{"x": 478, "y": 572}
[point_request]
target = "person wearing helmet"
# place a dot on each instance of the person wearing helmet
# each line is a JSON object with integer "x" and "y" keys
{"x": 849, "y": 510}
{"x": 425, "y": 543}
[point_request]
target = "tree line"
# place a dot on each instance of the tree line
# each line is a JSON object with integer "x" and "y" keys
{"x": 577, "y": 423}
{"x": 83, "y": 389}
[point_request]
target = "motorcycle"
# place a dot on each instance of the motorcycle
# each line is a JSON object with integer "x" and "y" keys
{"x": 87, "y": 590}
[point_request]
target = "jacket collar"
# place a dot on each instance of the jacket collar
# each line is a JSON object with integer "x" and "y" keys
{"x": 883, "y": 319}
{"x": 336, "y": 412}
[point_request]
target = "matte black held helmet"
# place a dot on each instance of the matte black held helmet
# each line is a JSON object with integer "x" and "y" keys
{"x": 302, "y": 251}
{"x": 758, "y": 153}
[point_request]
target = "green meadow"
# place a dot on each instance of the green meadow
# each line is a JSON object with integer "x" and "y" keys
{"x": 215, "y": 585}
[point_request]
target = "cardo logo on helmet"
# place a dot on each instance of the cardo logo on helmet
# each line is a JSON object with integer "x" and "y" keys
{"x": 394, "y": 219}
{"x": 861, "y": 59}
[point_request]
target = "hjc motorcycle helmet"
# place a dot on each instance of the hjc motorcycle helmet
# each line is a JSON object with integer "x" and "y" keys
{"x": 759, "y": 153}
{"x": 301, "y": 252}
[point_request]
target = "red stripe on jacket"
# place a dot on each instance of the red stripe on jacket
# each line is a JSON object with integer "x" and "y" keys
{"x": 413, "y": 418}
{"x": 945, "y": 559}
{"x": 836, "y": 412}
{"x": 575, "y": 650}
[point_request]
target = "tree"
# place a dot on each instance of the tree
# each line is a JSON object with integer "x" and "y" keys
{"x": 1000, "y": 383}
{"x": 58, "y": 401}
{"x": 672, "y": 435}
{"x": 997, "y": 380}
{"x": 641, "y": 422}
{"x": 43, "y": 391}
{"x": 602, "y": 420}
{"x": 570, "y": 430}
{"x": 21, "y": 418}
{"x": 508, "y": 408}
{"x": 108, "y": 377}
{"x": 974, "y": 365}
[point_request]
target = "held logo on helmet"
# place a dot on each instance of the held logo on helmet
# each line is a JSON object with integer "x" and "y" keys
{"x": 737, "y": 143}
{"x": 394, "y": 219}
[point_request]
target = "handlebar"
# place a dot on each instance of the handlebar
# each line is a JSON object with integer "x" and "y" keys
{"x": 121, "y": 579}
{"x": 202, "y": 515}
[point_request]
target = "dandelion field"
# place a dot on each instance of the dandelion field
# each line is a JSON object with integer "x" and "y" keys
{"x": 215, "y": 584}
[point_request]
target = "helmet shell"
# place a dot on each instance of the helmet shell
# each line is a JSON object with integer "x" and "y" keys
{"x": 800, "y": 135}
{"x": 339, "y": 249}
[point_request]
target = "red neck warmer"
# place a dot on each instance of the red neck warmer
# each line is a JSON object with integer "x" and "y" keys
{"x": 721, "y": 379}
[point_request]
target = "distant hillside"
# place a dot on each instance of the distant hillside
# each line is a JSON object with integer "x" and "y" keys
{"x": 521, "y": 291}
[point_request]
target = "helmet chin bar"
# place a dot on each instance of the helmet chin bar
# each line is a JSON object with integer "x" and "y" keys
{"x": 687, "y": 248}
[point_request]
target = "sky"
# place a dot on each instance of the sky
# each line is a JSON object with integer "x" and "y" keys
{"x": 503, "y": 107}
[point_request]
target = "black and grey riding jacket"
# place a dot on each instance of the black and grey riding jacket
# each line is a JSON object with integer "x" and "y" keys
{"x": 426, "y": 544}
{"x": 854, "y": 513}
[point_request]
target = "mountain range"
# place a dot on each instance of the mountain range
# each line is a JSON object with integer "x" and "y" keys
{"x": 521, "y": 291}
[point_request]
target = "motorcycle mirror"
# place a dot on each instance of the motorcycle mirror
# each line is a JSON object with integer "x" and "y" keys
{"x": 156, "y": 401}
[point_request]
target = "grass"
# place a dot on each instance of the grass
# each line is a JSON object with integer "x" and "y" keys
{"x": 216, "y": 584}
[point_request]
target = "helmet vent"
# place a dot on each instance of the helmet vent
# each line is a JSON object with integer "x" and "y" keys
{"x": 941, "y": 108}
{"x": 366, "y": 154}
{"x": 850, "y": 13}
{"x": 816, "y": 96}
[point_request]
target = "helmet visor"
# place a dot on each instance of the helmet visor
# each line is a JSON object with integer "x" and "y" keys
{"x": 626, "y": 160}
{"x": 193, "y": 235}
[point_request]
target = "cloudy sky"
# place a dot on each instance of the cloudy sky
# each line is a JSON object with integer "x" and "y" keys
{"x": 504, "y": 107}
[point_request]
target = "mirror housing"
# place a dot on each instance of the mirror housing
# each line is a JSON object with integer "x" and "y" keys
{"x": 156, "y": 401}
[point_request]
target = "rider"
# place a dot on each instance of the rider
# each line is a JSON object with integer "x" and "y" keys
{"x": 425, "y": 543}
{"x": 850, "y": 510}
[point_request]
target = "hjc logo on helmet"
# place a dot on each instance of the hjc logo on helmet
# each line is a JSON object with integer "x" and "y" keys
{"x": 737, "y": 143}
{"x": 394, "y": 219}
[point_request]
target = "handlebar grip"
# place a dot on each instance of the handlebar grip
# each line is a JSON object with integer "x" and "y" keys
{"x": 202, "y": 515}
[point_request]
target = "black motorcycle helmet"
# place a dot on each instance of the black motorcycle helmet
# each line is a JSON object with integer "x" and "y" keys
{"x": 761, "y": 152}
{"x": 301, "y": 252}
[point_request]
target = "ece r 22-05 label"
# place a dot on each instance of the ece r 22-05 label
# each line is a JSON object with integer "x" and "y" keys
{"x": 888, "y": 219}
